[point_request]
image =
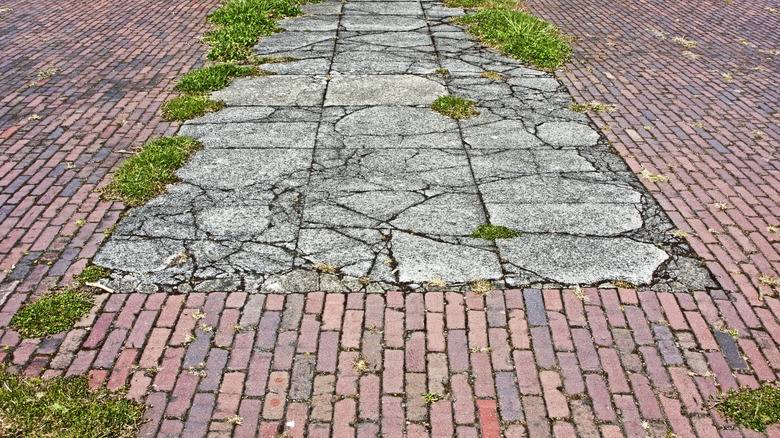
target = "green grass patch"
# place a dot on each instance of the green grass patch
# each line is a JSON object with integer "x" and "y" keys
{"x": 144, "y": 175}
{"x": 455, "y": 107}
{"x": 214, "y": 77}
{"x": 241, "y": 22}
{"x": 189, "y": 107}
{"x": 493, "y": 232}
{"x": 53, "y": 313}
{"x": 753, "y": 408}
{"x": 64, "y": 407}
{"x": 91, "y": 274}
{"x": 481, "y": 4}
{"x": 520, "y": 35}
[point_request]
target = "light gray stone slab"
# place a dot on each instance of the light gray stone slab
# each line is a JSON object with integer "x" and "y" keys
{"x": 381, "y": 23}
{"x": 553, "y": 189}
{"x": 382, "y": 90}
{"x": 567, "y": 134}
{"x": 253, "y": 135}
{"x": 315, "y": 23}
{"x": 321, "y": 42}
{"x": 233, "y": 169}
{"x": 384, "y": 62}
{"x": 447, "y": 214}
{"x": 232, "y": 115}
{"x": 491, "y": 164}
{"x": 312, "y": 66}
{"x": 384, "y": 40}
{"x": 354, "y": 252}
{"x": 583, "y": 260}
{"x": 323, "y": 8}
{"x": 273, "y": 91}
{"x": 383, "y": 8}
{"x": 420, "y": 259}
{"x": 578, "y": 219}
{"x": 500, "y": 135}
{"x": 543, "y": 84}
{"x": 139, "y": 255}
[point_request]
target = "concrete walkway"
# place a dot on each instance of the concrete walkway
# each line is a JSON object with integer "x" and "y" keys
{"x": 339, "y": 161}
{"x": 356, "y": 360}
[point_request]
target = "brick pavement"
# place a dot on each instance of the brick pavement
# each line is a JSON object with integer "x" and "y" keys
{"x": 711, "y": 124}
{"x": 517, "y": 363}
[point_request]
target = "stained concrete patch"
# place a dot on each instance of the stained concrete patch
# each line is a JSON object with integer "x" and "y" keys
{"x": 582, "y": 260}
{"x": 382, "y": 90}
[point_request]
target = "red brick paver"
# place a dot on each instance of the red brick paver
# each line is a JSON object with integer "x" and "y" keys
{"x": 707, "y": 117}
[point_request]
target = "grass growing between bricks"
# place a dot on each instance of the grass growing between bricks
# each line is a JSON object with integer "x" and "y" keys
{"x": 51, "y": 314}
{"x": 144, "y": 175}
{"x": 64, "y": 407}
{"x": 520, "y": 35}
{"x": 753, "y": 408}
{"x": 493, "y": 232}
{"x": 455, "y": 107}
{"x": 480, "y": 4}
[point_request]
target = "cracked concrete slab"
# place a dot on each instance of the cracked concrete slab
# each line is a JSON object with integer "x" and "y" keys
{"x": 336, "y": 175}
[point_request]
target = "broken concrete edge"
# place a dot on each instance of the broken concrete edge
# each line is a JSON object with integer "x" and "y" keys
{"x": 305, "y": 281}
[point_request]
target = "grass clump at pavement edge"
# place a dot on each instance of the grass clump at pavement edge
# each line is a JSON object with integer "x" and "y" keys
{"x": 189, "y": 107}
{"x": 214, "y": 77}
{"x": 455, "y": 107}
{"x": 144, "y": 175}
{"x": 91, "y": 274}
{"x": 53, "y": 313}
{"x": 753, "y": 408}
{"x": 239, "y": 23}
{"x": 480, "y": 4}
{"x": 64, "y": 407}
{"x": 520, "y": 35}
{"x": 493, "y": 232}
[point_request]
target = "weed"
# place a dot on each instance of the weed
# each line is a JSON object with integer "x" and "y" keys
{"x": 622, "y": 284}
{"x": 722, "y": 206}
{"x": 769, "y": 280}
{"x": 493, "y": 232}
{"x": 481, "y": 287}
{"x": 436, "y": 282}
{"x": 443, "y": 72}
{"x": 189, "y": 107}
{"x": 481, "y": 349}
{"x": 324, "y": 268}
{"x": 734, "y": 332}
{"x": 214, "y": 77}
{"x": 258, "y": 60}
{"x": 579, "y": 293}
{"x": 653, "y": 177}
{"x": 772, "y": 52}
{"x": 493, "y": 75}
{"x": 205, "y": 328}
{"x": 34, "y": 117}
{"x": 198, "y": 370}
{"x": 431, "y": 397}
{"x": 758, "y": 134}
{"x": 681, "y": 233}
{"x": 143, "y": 176}
{"x": 728, "y": 77}
{"x": 690, "y": 55}
{"x": 455, "y": 107}
{"x": 80, "y": 223}
{"x": 43, "y": 74}
{"x": 241, "y": 22}
{"x": 91, "y": 274}
{"x": 365, "y": 281}
{"x": 361, "y": 365}
{"x": 235, "y": 420}
{"x": 51, "y": 314}
{"x": 773, "y": 229}
{"x": 520, "y": 35}
{"x": 238, "y": 328}
{"x": 753, "y": 408}
{"x": 772, "y": 10}
{"x": 64, "y": 407}
{"x": 657, "y": 33}
{"x": 685, "y": 43}
{"x": 199, "y": 314}
{"x": 593, "y": 105}
{"x": 480, "y": 4}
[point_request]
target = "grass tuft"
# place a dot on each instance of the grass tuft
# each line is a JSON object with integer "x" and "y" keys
{"x": 51, "y": 314}
{"x": 241, "y": 22}
{"x": 189, "y": 107}
{"x": 753, "y": 408}
{"x": 64, "y": 407}
{"x": 480, "y": 4}
{"x": 214, "y": 77}
{"x": 520, "y": 35}
{"x": 144, "y": 176}
{"x": 493, "y": 232}
{"x": 91, "y": 274}
{"x": 493, "y": 75}
{"x": 455, "y": 107}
